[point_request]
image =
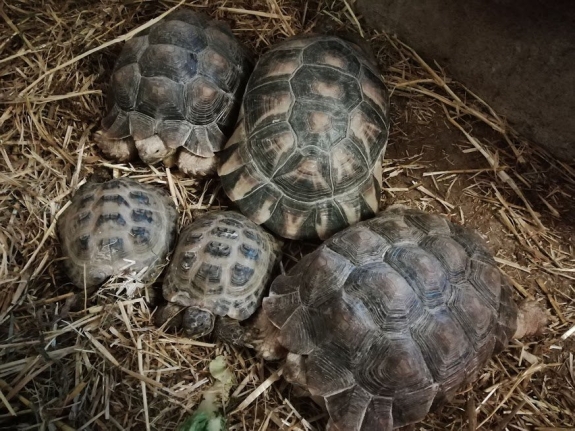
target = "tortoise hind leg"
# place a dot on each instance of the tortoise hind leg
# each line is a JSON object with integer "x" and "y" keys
{"x": 230, "y": 331}
{"x": 257, "y": 333}
{"x": 197, "y": 165}
{"x": 531, "y": 319}
{"x": 120, "y": 150}
{"x": 264, "y": 336}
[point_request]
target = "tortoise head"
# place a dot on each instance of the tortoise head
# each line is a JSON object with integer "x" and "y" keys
{"x": 198, "y": 322}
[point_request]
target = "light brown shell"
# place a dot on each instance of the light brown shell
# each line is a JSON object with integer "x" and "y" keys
{"x": 390, "y": 317}
{"x": 305, "y": 158}
{"x": 117, "y": 228}
{"x": 222, "y": 263}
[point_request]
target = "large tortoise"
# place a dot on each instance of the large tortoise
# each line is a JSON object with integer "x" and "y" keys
{"x": 222, "y": 264}
{"x": 117, "y": 228}
{"x": 305, "y": 158}
{"x": 387, "y": 319}
{"x": 175, "y": 91}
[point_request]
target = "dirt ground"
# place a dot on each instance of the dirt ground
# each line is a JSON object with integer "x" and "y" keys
{"x": 69, "y": 362}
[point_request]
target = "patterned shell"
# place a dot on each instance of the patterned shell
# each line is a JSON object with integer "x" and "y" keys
{"x": 305, "y": 158}
{"x": 392, "y": 316}
{"x": 183, "y": 79}
{"x": 117, "y": 228}
{"x": 222, "y": 263}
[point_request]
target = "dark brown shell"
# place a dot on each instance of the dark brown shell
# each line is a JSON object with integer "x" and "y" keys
{"x": 305, "y": 159}
{"x": 223, "y": 262}
{"x": 392, "y": 316}
{"x": 182, "y": 79}
{"x": 117, "y": 228}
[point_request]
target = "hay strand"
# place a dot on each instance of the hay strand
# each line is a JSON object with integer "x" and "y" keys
{"x": 73, "y": 359}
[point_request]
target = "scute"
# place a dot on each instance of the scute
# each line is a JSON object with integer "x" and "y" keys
{"x": 186, "y": 71}
{"x": 189, "y": 16}
{"x": 423, "y": 272}
{"x": 373, "y": 93}
{"x": 333, "y": 53}
{"x": 347, "y": 408}
{"x": 451, "y": 255}
{"x": 293, "y": 218}
{"x": 178, "y": 33}
{"x": 328, "y": 369}
{"x": 382, "y": 365}
{"x": 302, "y": 331}
{"x": 170, "y": 61}
{"x": 305, "y": 176}
{"x": 475, "y": 315}
{"x": 174, "y": 132}
{"x": 280, "y": 66}
{"x": 311, "y": 139}
{"x": 217, "y": 67}
{"x": 142, "y": 125}
{"x": 116, "y": 123}
{"x": 132, "y": 51}
{"x": 384, "y": 297}
{"x": 267, "y": 105}
{"x": 487, "y": 279}
{"x": 326, "y": 85}
{"x": 391, "y": 316}
{"x": 348, "y": 167}
{"x": 126, "y": 80}
{"x": 109, "y": 224}
{"x": 318, "y": 124}
{"x": 160, "y": 98}
{"x": 222, "y": 263}
{"x": 204, "y": 101}
{"x": 326, "y": 273}
{"x": 443, "y": 343}
{"x": 361, "y": 246}
{"x": 272, "y": 147}
{"x": 368, "y": 131}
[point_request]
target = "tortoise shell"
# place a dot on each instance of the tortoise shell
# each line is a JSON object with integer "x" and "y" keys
{"x": 182, "y": 80}
{"x": 222, "y": 263}
{"x": 305, "y": 158}
{"x": 390, "y": 317}
{"x": 117, "y": 228}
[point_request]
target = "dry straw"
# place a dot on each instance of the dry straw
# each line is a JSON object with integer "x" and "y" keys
{"x": 72, "y": 362}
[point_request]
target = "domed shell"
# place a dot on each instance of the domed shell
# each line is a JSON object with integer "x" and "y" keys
{"x": 390, "y": 317}
{"x": 305, "y": 158}
{"x": 222, "y": 262}
{"x": 117, "y": 228}
{"x": 182, "y": 80}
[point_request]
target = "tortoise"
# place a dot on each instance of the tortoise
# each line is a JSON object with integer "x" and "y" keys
{"x": 175, "y": 93}
{"x": 305, "y": 157}
{"x": 221, "y": 266}
{"x": 388, "y": 318}
{"x": 117, "y": 228}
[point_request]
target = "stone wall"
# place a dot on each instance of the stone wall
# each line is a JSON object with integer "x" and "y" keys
{"x": 519, "y": 56}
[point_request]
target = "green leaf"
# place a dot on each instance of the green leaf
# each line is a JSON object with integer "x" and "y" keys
{"x": 208, "y": 416}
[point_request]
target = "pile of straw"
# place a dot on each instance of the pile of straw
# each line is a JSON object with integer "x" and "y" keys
{"x": 72, "y": 362}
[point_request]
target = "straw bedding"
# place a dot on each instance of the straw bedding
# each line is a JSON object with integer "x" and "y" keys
{"x": 74, "y": 360}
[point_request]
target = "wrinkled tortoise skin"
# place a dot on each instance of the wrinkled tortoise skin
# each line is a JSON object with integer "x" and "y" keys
{"x": 305, "y": 158}
{"x": 183, "y": 79}
{"x": 390, "y": 317}
{"x": 222, "y": 263}
{"x": 117, "y": 228}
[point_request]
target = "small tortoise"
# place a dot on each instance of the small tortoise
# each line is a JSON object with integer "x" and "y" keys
{"x": 176, "y": 91}
{"x": 119, "y": 227}
{"x": 221, "y": 266}
{"x": 387, "y": 319}
{"x": 305, "y": 158}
